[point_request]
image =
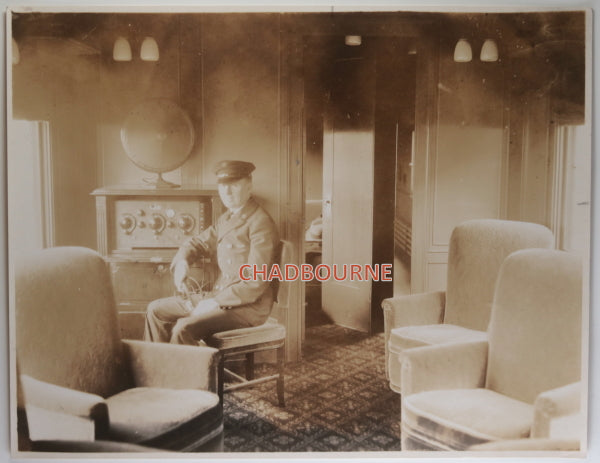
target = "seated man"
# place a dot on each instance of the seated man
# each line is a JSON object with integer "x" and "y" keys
{"x": 245, "y": 234}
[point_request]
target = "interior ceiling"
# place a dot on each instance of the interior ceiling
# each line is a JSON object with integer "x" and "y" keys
{"x": 549, "y": 44}
{"x": 97, "y": 30}
{"x": 533, "y": 28}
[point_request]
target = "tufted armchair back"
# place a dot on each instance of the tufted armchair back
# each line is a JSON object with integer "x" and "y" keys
{"x": 477, "y": 249}
{"x": 66, "y": 321}
{"x": 535, "y": 331}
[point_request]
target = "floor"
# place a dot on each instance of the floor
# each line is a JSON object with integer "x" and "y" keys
{"x": 337, "y": 399}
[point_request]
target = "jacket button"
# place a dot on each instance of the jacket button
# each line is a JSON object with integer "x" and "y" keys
{"x": 229, "y": 245}
{"x": 229, "y": 261}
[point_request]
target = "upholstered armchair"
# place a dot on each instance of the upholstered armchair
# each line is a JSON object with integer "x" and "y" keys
{"x": 477, "y": 249}
{"x": 521, "y": 382}
{"x": 80, "y": 382}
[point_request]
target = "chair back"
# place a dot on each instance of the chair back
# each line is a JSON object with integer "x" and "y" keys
{"x": 282, "y": 289}
{"x": 535, "y": 327}
{"x": 477, "y": 249}
{"x": 66, "y": 321}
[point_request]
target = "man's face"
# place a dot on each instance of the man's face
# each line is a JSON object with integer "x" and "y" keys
{"x": 235, "y": 194}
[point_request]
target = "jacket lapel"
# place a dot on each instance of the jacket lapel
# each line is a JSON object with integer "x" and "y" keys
{"x": 228, "y": 222}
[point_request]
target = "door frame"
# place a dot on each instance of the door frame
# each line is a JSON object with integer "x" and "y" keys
{"x": 292, "y": 132}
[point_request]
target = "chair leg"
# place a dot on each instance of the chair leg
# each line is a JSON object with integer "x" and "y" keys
{"x": 280, "y": 379}
{"x": 221, "y": 377}
{"x": 250, "y": 366}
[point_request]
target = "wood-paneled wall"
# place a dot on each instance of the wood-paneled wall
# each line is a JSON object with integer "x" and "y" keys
{"x": 239, "y": 77}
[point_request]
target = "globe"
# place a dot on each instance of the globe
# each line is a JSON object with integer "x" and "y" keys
{"x": 158, "y": 136}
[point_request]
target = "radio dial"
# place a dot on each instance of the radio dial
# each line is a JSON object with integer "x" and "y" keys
{"x": 157, "y": 223}
{"x": 186, "y": 223}
{"x": 127, "y": 223}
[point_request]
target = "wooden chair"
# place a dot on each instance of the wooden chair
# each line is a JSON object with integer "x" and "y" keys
{"x": 245, "y": 342}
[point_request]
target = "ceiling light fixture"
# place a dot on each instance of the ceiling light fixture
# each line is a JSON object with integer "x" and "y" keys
{"x": 462, "y": 51}
{"x": 353, "y": 40}
{"x": 149, "y": 50}
{"x": 122, "y": 50}
{"x": 489, "y": 51}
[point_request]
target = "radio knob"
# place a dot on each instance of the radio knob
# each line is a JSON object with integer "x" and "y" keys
{"x": 186, "y": 222}
{"x": 157, "y": 223}
{"x": 140, "y": 212}
{"x": 127, "y": 223}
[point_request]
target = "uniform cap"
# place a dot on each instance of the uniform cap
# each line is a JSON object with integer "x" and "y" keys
{"x": 232, "y": 170}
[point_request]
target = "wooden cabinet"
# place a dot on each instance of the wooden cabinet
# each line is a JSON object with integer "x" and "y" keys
{"x": 139, "y": 230}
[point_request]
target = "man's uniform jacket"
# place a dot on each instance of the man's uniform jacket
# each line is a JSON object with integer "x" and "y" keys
{"x": 246, "y": 237}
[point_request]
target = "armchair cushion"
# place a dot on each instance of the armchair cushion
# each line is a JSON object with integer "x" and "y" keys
{"x": 476, "y": 252}
{"x": 66, "y": 321}
{"x": 461, "y": 418}
{"x": 425, "y": 335}
{"x": 141, "y": 415}
{"x": 152, "y": 365}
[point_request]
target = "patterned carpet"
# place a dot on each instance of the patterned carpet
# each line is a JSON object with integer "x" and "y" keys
{"x": 337, "y": 399}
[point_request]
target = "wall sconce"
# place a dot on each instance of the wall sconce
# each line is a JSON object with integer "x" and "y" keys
{"x": 149, "y": 50}
{"x": 122, "y": 50}
{"x": 353, "y": 40}
{"x": 16, "y": 55}
{"x": 489, "y": 51}
{"x": 462, "y": 51}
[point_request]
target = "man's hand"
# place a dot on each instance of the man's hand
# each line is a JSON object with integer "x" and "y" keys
{"x": 180, "y": 271}
{"x": 205, "y": 305}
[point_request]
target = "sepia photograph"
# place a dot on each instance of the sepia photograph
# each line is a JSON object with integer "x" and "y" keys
{"x": 281, "y": 232}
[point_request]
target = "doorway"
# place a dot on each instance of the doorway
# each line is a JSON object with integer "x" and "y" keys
{"x": 359, "y": 120}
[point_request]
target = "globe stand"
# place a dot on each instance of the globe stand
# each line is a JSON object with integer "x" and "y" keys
{"x": 160, "y": 182}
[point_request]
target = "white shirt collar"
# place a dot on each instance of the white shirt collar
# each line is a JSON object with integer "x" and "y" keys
{"x": 236, "y": 210}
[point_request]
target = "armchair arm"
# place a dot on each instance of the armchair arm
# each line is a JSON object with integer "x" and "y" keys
{"x": 552, "y": 404}
{"x": 413, "y": 309}
{"x": 56, "y": 412}
{"x": 410, "y": 310}
{"x": 447, "y": 366}
{"x": 172, "y": 366}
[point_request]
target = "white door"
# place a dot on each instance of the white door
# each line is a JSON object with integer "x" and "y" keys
{"x": 348, "y": 155}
